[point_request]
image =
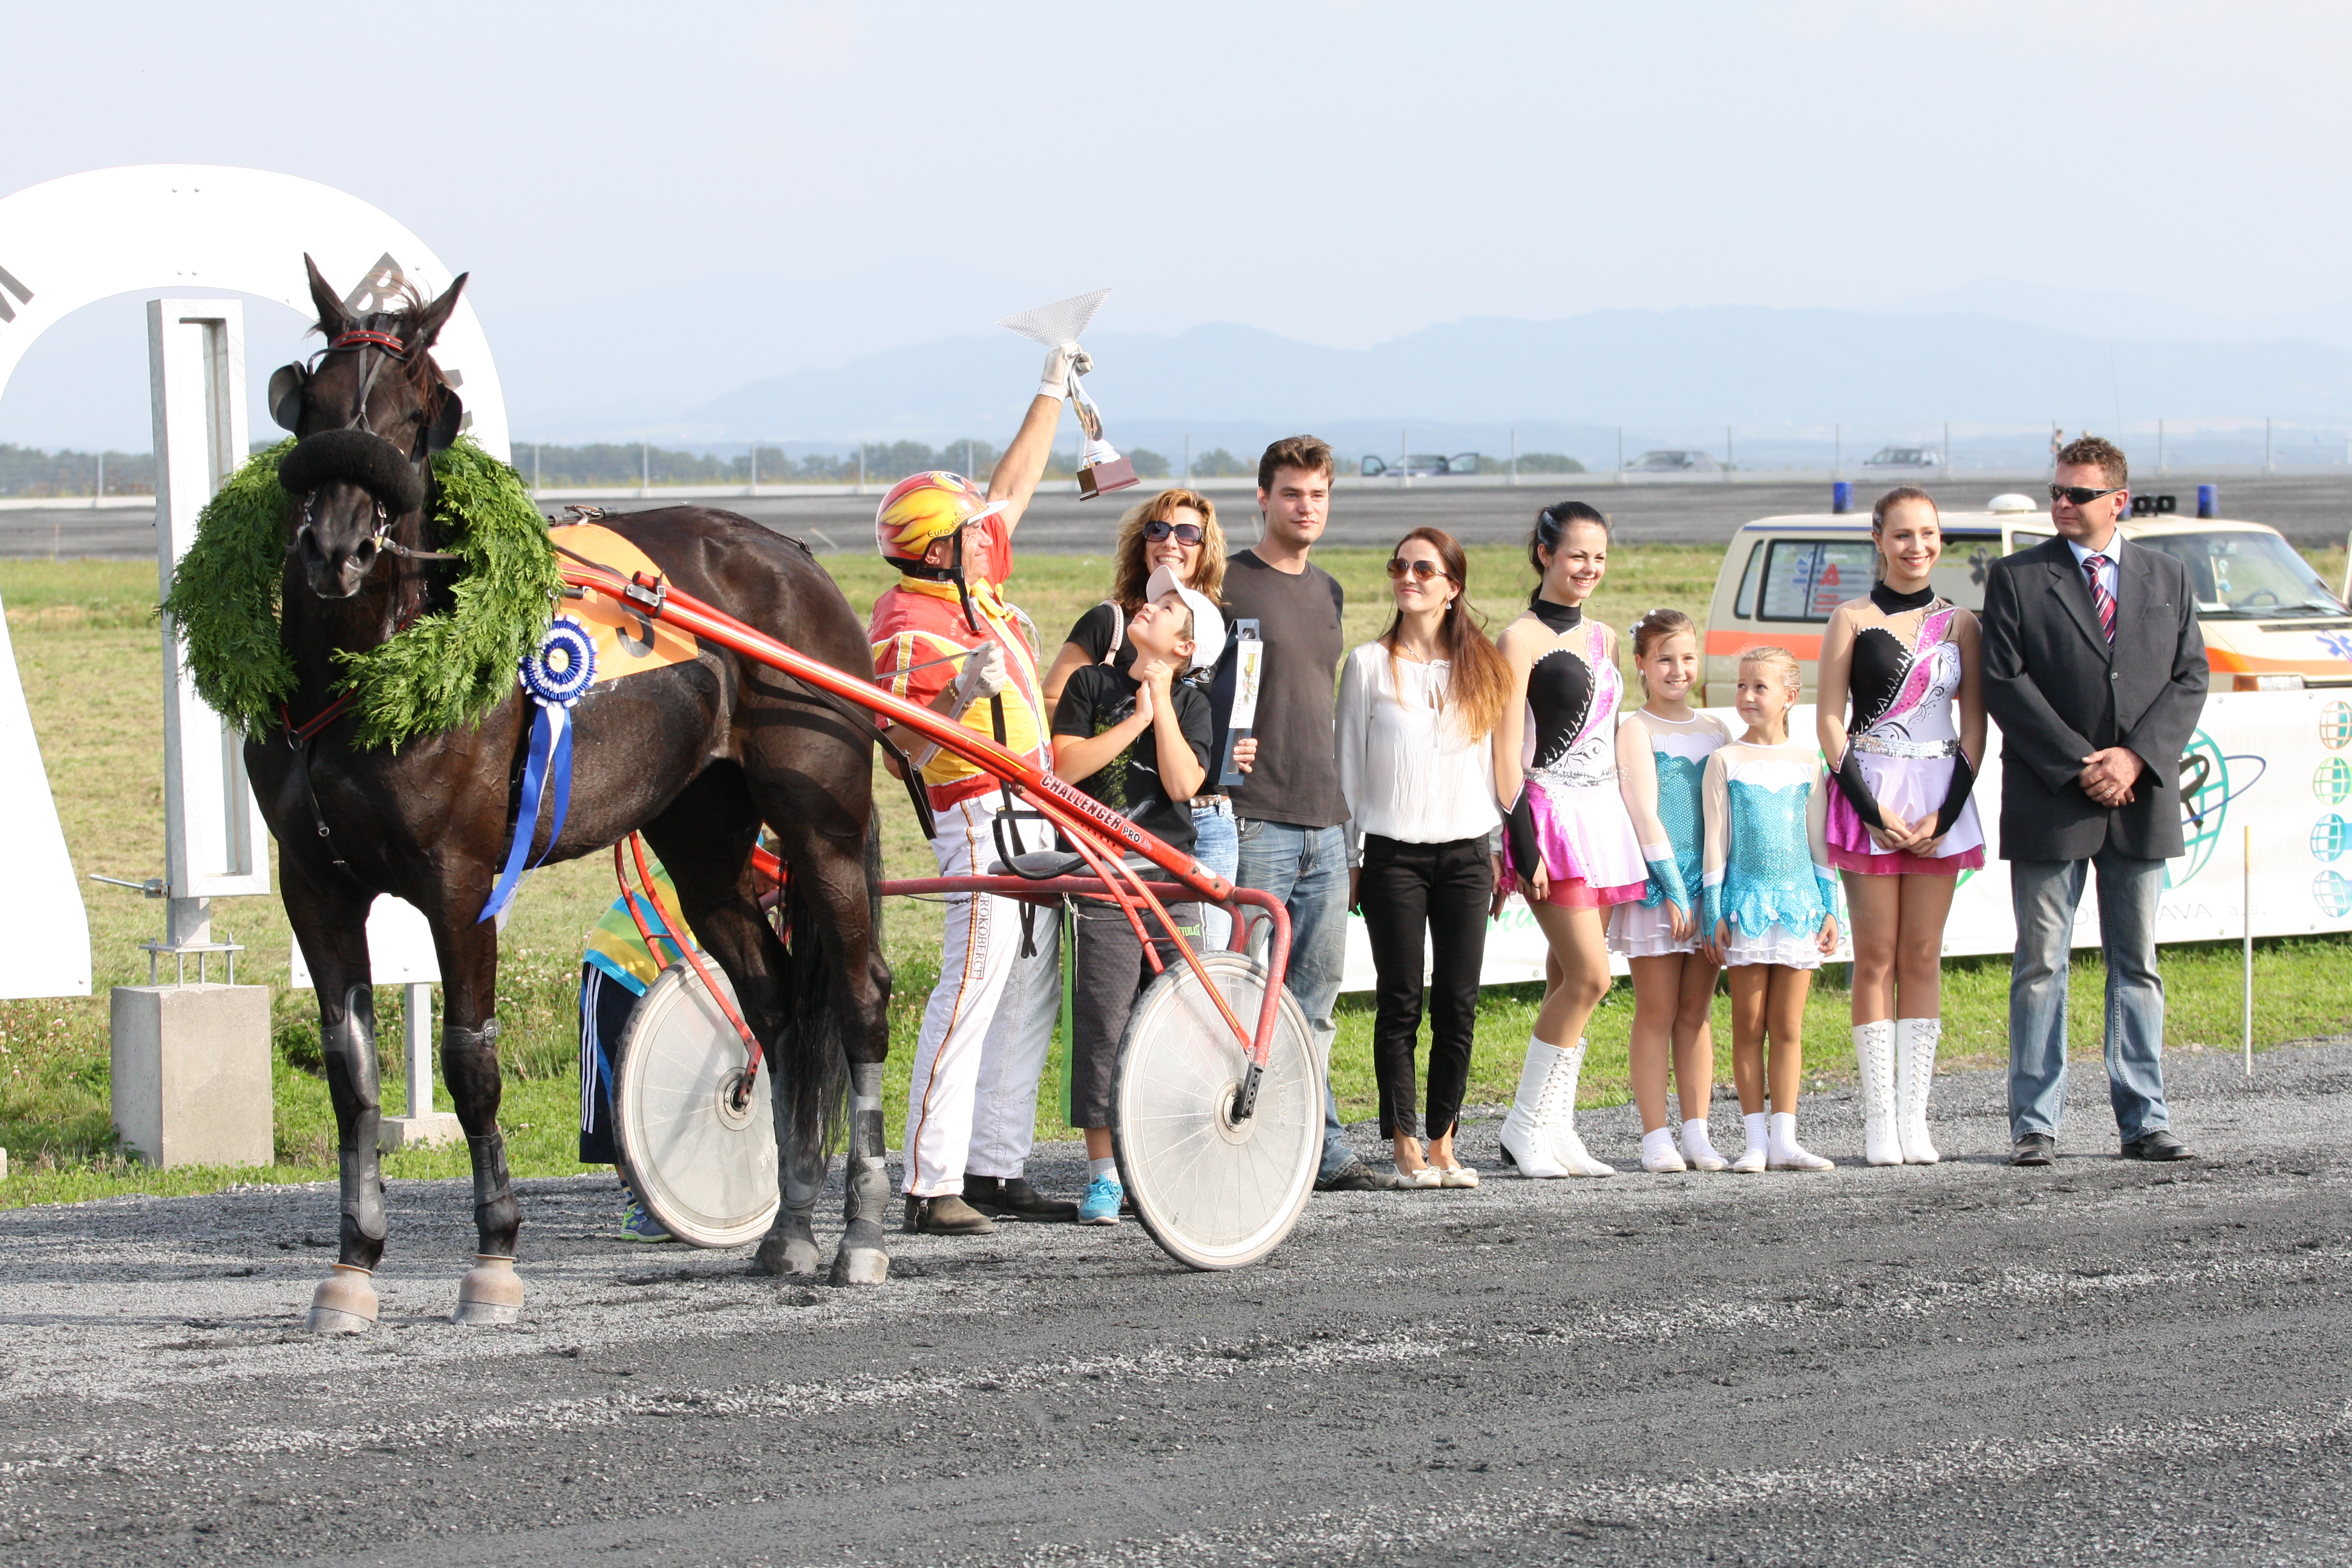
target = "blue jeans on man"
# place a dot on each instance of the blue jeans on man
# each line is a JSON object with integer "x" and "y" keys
{"x": 1306, "y": 868}
{"x": 2046, "y": 895}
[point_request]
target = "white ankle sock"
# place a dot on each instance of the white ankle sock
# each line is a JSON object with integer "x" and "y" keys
{"x": 1758, "y": 1138}
{"x": 1658, "y": 1152}
{"x": 1697, "y": 1144}
{"x": 1782, "y": 1133}
{"x": 1106, "y": 1166}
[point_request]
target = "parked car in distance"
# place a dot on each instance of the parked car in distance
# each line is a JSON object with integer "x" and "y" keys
{"x": 1674, "y": 460}
{"x": 1910, "y": 459}
{"x": 2269, "y": 622}
{"x": 1421, "y": 466}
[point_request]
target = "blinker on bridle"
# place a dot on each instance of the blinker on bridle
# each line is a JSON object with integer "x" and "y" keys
{"x": 390, "y": 347}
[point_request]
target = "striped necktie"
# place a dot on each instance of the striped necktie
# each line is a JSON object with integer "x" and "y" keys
{"x": 2100, "y": 596}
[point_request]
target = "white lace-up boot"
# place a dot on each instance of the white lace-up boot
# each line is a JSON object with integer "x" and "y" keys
{"x": 1567, "y": 1147}
{"x": 1915, "y": 1075}
{"x": 1874, "y": 1053}
{"x": 1526, "y": 1144}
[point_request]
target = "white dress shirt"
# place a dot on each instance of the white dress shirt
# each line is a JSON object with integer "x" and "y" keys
{"x": 1408, "y": 772}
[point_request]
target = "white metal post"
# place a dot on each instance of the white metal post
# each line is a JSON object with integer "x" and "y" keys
{"x": 2246, "y": 905}
{"x": 417, "y": 1030}
{"x": 216, "y": 842}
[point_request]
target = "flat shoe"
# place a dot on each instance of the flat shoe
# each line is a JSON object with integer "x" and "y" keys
{"x": 2157, "y": 1145}
{"x": 1457, "y": 1176}
{"x": 1427, "y": 1177}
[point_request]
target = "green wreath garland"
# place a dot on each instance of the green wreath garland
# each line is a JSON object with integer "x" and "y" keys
{"x": 443, "y": 671}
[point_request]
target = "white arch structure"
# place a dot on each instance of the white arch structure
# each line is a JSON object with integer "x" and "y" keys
{"x": 191, "y": 229}
{"x": 181, "y": 229}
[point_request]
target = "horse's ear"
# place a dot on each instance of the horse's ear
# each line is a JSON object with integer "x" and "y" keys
{"x": 285, "y": 385}
{"x": 448, "y": 420}
{"x": 424, "y": 326}
{"x": 333, "y": 319}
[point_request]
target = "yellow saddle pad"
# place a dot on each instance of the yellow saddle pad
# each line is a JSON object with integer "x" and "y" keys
{"x": 627, "y": 641}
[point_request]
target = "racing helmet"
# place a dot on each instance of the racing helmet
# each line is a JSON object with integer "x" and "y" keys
{"x": 919, "y": 509}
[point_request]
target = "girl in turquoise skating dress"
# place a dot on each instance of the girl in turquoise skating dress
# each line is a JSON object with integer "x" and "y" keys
{"x": 1661, "y": 936}
{"x": 1770, "y": 900}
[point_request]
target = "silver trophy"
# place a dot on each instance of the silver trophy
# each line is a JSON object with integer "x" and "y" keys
{"x": 1100, "y": 467}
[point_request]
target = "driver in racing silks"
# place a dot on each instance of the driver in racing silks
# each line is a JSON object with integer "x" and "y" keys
{"x": 945, "y": 637}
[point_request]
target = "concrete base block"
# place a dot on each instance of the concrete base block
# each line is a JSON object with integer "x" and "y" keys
{"x": 191, "y": 1074}
{"x": 424, "y": 1132}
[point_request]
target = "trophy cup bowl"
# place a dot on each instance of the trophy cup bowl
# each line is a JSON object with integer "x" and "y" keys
{"x": 1057, "y": 325}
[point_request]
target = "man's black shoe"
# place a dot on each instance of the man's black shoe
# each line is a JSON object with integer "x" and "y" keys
{"x": 1355, "y": 1176}
{"x": 2035, "y": 1149}
{"x": 2157, "y": 1145}
{"x": 1012, "y": 1197}
{"x": 946, "y": 1214}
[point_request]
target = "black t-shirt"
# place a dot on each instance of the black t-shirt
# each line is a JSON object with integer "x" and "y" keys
{"x": 1296, "y": 777}
{"x": 1101, "y": 629}
{"x": 1096, "y": 699}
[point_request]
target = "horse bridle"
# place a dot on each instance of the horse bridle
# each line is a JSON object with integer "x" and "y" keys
{"x": 389, "y": 346}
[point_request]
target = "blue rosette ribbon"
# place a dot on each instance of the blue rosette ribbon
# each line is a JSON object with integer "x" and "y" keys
{"x": 554, "y": 675}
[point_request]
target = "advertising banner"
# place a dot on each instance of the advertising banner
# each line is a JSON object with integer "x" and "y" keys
{"x": 2272, "y": 770}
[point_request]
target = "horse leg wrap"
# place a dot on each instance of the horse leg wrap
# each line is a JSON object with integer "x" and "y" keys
{"x": 348, "y": 1045}
{"x": 497, "y": 1217}
{"x": 863, "y": 1260}
{"x": 789, "y": 1248}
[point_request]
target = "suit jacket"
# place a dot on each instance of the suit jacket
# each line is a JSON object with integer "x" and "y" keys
{"x": 2060, "y": 691}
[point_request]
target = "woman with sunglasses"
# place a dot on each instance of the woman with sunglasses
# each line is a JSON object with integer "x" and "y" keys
{"x": 1176, "y": 529}
{"x": 1416, "y": 706}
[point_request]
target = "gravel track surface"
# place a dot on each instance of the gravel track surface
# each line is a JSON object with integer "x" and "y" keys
{"x": 1966, "y": 1364}
{"x": 2311, "y": 510}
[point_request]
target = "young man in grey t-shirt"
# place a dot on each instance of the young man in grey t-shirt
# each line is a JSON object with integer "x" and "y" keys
{"x": 1289, "y": 812}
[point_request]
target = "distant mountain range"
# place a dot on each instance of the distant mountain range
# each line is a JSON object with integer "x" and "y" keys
{"x": 1777, "y": 375}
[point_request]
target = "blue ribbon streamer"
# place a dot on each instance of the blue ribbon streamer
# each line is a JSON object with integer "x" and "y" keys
{"x": 551, "y": 742}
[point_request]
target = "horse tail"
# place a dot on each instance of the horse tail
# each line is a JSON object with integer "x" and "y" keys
{"x": 820, "y": 1022}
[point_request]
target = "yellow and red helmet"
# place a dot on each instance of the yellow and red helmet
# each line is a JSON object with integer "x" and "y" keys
{"x": 920, "y": 510}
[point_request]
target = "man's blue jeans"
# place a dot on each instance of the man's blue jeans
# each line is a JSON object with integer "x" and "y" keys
{"x": 1306, "y": 868}
{"x": 2045, "y": 894}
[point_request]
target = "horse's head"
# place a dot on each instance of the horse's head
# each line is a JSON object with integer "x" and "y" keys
{"x": 370, "y": 410}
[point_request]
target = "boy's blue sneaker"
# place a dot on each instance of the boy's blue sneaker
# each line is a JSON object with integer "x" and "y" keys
{"x": 639, "y": 1225}
{"x": 1101, "y": 1205}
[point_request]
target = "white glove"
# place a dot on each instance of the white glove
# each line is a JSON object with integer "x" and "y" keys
{"x": 1061, "y": 362}
{"x": 983, "y": 675}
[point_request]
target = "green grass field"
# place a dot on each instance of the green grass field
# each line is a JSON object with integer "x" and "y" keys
{"x": 86, "y": 647}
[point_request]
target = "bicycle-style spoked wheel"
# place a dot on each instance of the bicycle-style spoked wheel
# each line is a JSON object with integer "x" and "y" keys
{"x": 1215, "y": 1193}
{"x": 703, "y": 1165}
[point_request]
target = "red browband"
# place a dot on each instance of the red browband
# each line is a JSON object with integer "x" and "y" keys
{"x": 387, "y": 342}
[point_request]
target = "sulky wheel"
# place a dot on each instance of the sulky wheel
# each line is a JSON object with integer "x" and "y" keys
{"x": 1212, "y": 1191}
{"x": 704, "y": 1164}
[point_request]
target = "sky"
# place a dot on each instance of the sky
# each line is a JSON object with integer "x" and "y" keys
{"x": 661, "y": 204}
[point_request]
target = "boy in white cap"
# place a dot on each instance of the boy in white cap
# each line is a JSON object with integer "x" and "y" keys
{"x": 1137, "y": 741}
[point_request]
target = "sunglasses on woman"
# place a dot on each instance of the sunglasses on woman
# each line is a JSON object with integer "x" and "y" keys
{"x": 1159, "y": 529}
{"x": 2081, "y": 495}
{"x": 1424, "y": 570}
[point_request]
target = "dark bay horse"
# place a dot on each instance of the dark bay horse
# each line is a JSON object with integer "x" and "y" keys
{"x": 698, "y": 754}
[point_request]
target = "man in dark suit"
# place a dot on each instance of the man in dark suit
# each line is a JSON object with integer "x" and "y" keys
{"x": 2095, "y": 671}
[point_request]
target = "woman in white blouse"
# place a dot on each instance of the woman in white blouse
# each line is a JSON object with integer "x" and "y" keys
{"x": 1416, "y": 707}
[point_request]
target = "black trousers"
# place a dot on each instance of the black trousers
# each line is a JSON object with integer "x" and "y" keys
{"x": 1107, "y": 972}
{"x": 1444, "y": 890}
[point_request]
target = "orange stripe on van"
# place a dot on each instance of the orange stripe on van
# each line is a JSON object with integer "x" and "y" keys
{"x": 1723, "y": 644}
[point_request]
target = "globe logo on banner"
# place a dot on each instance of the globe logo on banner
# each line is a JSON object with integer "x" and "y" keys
{"x": 2335, "y": 725}
{"x": 2332, "y": 891}
{"x": 2330, "y": 836}
{"x": 2207, "y": 789}
{"x": 2332, "y": 781}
